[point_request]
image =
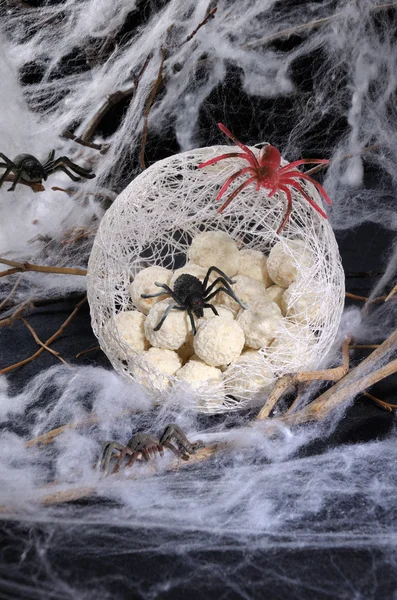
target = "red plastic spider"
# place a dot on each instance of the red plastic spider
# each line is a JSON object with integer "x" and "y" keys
{"x": 266, "y": 172}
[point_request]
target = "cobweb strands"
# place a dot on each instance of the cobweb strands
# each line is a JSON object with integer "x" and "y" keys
{"x": 153, "y": 222}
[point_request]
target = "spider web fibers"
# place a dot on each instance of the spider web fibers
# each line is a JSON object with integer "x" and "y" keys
{"x": 153, "y": 221}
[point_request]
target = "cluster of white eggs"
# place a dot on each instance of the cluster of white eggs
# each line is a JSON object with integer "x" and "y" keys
{"x": 225, "y": 346}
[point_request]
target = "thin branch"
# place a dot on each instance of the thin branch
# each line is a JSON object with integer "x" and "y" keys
{"x": 380, "y": 402}
{"x": 8, "y": 272}
{"x": 392, "y": 293}
{"x": 359, "y": 274}
{"x": 153, "y": 93}
{"x": 12, "y": 292}
{"x": 10, "y": 320}
{"x": 364, "y": 346}
{"x": 103, "y": 148}
{"x": 41, "y": 269}
{"x": 286, "y": 33}
{"x": 364, "y": 298}
{"x": 87, "y": 351}
{"x": 366, "y": 149}
{"x": 47, "y": 343}
{"x": 36, "y": 187}
{"x": 111, "y": 101}
{"x": 209, "y": 16}
{"x": 42, "y": 344}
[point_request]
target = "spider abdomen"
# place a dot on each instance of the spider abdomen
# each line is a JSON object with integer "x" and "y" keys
{"x": 187, "y": 285}
{"x": 31, "y": 168}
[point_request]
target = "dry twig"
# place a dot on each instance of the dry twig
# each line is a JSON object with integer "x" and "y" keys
{"x": 87, "y": 351}
{"x": 209, "y": 16}
{"x": 42, "y": 344}
{"x": 103, "y": 148}
{"x": 47, "y": 343}
{"x": 41, "y": 269}
{"x": 297, "y": 29}
{"x": 111, "y": 101}
{"x": 36, "y": 187}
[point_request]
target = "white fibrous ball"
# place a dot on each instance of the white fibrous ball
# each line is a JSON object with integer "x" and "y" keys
{"x": 196, "y": 373}
{"x": 175, "y": 330}
{"x": 302, "y": 305}
{"x": 247, "y": 291}
{"x": 130, "y": 326}
{"x": 275, "y": 294}
{"x": 260, "y": 323}
{"x": 223, "y": 311}
{"x": 218, "y": 341}
{"x": 253, "y": 263}
{"x": 286, "y": 259}
{"x": 192, "y": 269}
{"x": 292, "y": 347}
{"x": 215, "y": 248}
{"x": 249, "y": 374}
{"x": 161, "y": 360}
{"x": 144, "y": 284}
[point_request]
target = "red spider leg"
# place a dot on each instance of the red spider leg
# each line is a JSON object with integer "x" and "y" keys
{"x": 297, "y": 186}
{"x": 237, "y": 191}
{"x": 304, "y": 161}
{"x": 320, "y": 188}
{"x": 212, "y": 161}
{"x": 237, "y": 142}
{"x": 289, "y": 207}
{"x": 231, "y": 179}
{"x": 133, "y": 458}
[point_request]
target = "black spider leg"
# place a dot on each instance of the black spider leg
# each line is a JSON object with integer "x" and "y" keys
{"x": 50, "y": 160}
{"x": 8, "y": 165}
{"x": 174, "y": 432}
{"x": 212, "y": 307}
{"x": 165, "y": 315}
{"x": 192, "y": 323}
{"x": 213, "y": 284}
{"x": 63, "y": 161}
{"x": 221, "y": 273}
{"x": 18, "y": 177}
{"x": 228, "y": 290}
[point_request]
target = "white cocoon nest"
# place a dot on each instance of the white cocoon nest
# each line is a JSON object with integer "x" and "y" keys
{"x": 260, "y": 323}
{"x": 130, "y": 326}
{"x": 286, "y": 260}
{"x": 168, "y": 212}
{"x": 144, "y": 284}
{"x": 175, "y": 330}
{"x": 215, "y": 248}
{"x": 253, "y": 263}
{"x": 218, "y": 341}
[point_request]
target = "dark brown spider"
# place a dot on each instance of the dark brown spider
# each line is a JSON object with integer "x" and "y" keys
{"x": 30, "y": 169}
{"x": 146, "y": 446}
{"x": 192, "y": 295}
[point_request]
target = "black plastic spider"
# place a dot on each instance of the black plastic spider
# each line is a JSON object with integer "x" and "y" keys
{"x": 30, "y": 169}
{"x": 192, "y": 295}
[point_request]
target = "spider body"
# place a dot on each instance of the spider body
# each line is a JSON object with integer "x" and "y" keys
{"x": 191, "y": 295}
{"x": 265, "y": 171}
{"x": 28, "y": 168}
{"x": 146, "y": 446}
